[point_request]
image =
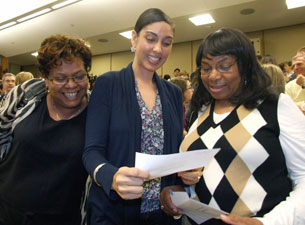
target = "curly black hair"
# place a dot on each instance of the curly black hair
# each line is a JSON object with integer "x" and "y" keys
{"x": 57, "y": 47}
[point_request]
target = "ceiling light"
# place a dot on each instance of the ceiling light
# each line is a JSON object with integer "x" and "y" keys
{"x": 291, "y": 4}
{"x": 7, "y": 25}
{"x": 63, "y": 4}
{"x": 35, "y": 54}
{"x": 202, "y": 19}
{"x": 127, "y": 34}
{"x": 34, "y": 15}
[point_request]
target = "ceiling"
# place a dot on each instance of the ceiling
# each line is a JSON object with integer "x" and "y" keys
{"x": 103, "y": 19}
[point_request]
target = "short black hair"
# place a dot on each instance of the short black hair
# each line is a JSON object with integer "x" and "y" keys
{"x": 176, "y": 69}
{"x": 255, "y": 82}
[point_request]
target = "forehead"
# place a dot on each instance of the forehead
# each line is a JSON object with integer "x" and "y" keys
{"x": 9, "y": 78}
{"x": 298, "y": 60}
{"x": 211, "y": 58}
{"x": 159, "y": 28}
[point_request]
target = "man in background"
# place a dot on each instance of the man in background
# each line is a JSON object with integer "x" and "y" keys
{"x": 296, "y": 88}
{"x": 177, "y": 72}
{"x": 8, "y": 83}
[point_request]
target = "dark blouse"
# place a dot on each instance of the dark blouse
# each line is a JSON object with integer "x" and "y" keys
{"x": 43, "y": 173}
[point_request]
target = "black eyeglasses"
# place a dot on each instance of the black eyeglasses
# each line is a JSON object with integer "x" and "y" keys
{"x": 61, "y": 81}
{"x": 221, "y": 68}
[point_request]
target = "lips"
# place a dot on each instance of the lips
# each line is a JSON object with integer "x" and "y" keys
{"x": 70, "y": 94}
{"x": 154, "y": 59}
{"x": 217, "y": 88}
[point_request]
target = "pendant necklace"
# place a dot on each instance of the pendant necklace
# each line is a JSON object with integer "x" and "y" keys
{"x": 57, "y": 115}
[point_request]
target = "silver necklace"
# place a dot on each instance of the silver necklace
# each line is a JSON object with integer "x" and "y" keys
{"x": 60, "y": 118}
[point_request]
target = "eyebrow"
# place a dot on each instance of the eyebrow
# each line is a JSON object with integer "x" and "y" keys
{"x": 63, "y": 74}
{"x": 221, "y": 60}
{"x": 150, "y": 32}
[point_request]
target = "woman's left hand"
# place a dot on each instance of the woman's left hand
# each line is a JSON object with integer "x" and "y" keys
{"x": 190, "y": 177}
{"x": 237, "y": 220}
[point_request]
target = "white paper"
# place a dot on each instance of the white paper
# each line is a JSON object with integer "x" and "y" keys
{"x": 196, "y": 210}
{"x": 163, "y": 165}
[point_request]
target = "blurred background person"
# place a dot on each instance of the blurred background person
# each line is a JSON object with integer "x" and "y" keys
{"x": 286, "y": 67}
{"x": 8, "y": 83}
{"x": 268, "y": 59}
{"x": 42, "y": 126}
{"x": 277, "y": 76}
{"x": 301, "y": 51}
{"x": 296, "y": 88}
{"x": 176, "y": 72}
{"x": 23, "y": 76}
{"x": 187, "y": 93}
{"x": 167, "y": 77}
{"x": 184, "y": 74}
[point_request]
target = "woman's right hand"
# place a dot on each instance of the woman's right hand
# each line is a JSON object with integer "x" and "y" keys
{"x": 166, "y": 202}
{"x": 128, "y": 182}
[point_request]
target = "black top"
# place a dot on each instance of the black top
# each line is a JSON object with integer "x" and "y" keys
{"x": 43, "y": 172}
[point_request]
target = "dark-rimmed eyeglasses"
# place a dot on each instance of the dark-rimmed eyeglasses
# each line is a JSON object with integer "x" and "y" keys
{"x": 221, "y": 68}
{"x": 61, "y": 81}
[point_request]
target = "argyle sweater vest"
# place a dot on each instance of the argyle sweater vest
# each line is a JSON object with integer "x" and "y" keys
{"x": 248, "y": 176}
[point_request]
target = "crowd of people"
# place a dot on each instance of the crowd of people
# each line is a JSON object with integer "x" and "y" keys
{"x": 67, "y": 154}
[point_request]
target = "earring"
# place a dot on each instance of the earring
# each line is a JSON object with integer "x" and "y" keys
{"x": 245, "y": 81}
{"x": 132, "y": 49}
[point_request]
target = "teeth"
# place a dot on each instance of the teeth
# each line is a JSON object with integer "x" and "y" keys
{"x": 70, "y": 94}
{"x": 153, "y": 58}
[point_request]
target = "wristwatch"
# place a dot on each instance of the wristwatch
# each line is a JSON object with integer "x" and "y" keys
{"x": 303, "y": 86}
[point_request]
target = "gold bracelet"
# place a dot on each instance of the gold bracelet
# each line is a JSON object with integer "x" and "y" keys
{"x": 95, "y": 172}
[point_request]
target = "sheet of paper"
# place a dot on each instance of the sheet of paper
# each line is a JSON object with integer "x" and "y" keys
{"x": 163, "y": 165}
{"x": 196, "y": 210}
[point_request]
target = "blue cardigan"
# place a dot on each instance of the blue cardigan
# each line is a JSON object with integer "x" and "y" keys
{"x": 113, "y": 135}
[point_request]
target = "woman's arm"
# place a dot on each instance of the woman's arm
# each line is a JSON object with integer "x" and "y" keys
{"x": 292, "y": 139}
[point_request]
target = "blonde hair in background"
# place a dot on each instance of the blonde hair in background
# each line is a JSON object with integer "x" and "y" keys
{"x": 23, "y": 76}
{"x": 277, "y": 76}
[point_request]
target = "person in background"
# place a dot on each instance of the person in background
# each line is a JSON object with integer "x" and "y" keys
{"x": 42, "y": 126}
{"x": 258, "y": 176}
{"x": 184, "y": 75}
{"x": 277, "y": 76}
{"x": 176, "y": 72}
{"x": 287, "y": 70}
{"x": 301, "y": 51}
{"x": 187, "y": 93}
{"x": 268, "y": 59}
{"x": 8, "y": 83}
{"x": 296, "y": 88}
{"x": 21, "y": 77}
{"x": 133, "y": 110}
{"x": 167, "y": 77}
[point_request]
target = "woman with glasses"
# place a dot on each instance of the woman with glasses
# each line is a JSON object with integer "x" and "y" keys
{"x": 258, "y": 176}
{"x": 42, "y": 128}
{"x": 133, "y": 110}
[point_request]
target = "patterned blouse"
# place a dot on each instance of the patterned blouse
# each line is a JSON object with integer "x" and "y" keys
{"x": 152, "y": 140}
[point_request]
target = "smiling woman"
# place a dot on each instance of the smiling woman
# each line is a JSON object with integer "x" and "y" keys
{"x": 133, "y": 110}
{"x": 258, "y": 175}
{"x": 42, "y": 139}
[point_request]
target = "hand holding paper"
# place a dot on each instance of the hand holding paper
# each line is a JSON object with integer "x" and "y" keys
{"x": 197, "y": 211}
{"x": 163, "y": 165}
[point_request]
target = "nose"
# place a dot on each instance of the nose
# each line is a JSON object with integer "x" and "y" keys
{"x": 71, "y": 83}
{"x": 214, "y": 75}
{"x": 158, "y": 47}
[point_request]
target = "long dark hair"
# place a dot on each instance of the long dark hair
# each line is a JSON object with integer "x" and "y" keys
{"x": 255, "y": 83}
